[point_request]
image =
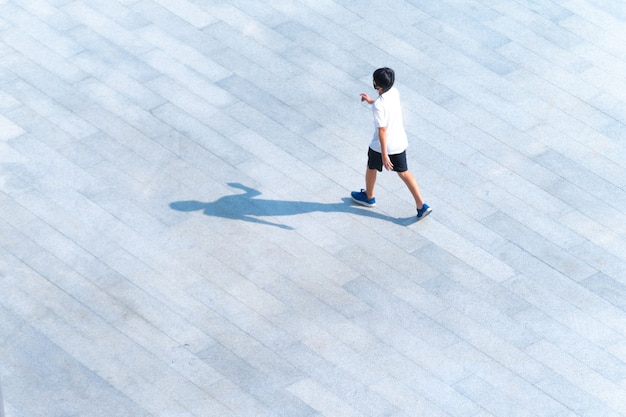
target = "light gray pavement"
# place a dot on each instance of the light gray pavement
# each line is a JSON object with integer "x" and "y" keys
{"x": 176, "y": 235}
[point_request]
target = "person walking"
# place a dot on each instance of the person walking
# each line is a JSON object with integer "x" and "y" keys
{"x": 388, "y": 146}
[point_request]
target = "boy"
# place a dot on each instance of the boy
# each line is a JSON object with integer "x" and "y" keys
{"x": 388, "y": 146}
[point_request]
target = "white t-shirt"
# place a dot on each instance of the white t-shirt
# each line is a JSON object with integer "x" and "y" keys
{"x": 388, "y": 113}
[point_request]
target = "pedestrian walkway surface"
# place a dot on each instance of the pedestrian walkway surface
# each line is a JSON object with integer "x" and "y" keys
{"x": 177, "y": 238}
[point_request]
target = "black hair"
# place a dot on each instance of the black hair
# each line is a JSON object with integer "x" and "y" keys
{"x": 384, "y": 78}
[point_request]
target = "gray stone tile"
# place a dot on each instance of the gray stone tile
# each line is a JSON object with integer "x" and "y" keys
{"x": 402, "y": 313}
{"x": 8, "y": 102}
{"x": 470, "y": 256}
{"x": 200, "y": 133}
{"x": 321, "y": 399}
{"x": 607, "y": 165}
{"x": 10, "y": 130}
{"x": 251, "y": 380}
{"x": 537, "y": 60}
{"x": 73, "y": 391}
{"x": 266, "y": 104}
{"x": 238, "y": 401}
{"x": 121, "y": 13}
{"x": 49, "y": 12}
{"x": 175, "y": 25}
{"x": 47, "y": 58}
{"x": 539, "y": 247}
{"x": 106, "y": 27}
{"x": 118, "y": 81}
{"x": 473, "y": 306}
{"x": 178, "y": 237}
{"x": 578, "y": 400}
{"x": 594, "y": 392}
{"x": 99, "y": 47}
{"x": 187, "y": 10}
{"x": 52, "y": 110}
{"x": 187, "y": 55}
{"x": 600, "y": 360}
{"x": 576, "y": 197}
{"x": 490, "y": 398}
{"x": 602, "y": 260}
{"x": 477, "y": 42}
{"x": 606, "y": 288}
{"x": 41, "y": 31}
{"x": 599, "y": 332}
{"x": 242, "y": 57}
{"x": 589, "y": 182}
{"x": 494, "y": 347}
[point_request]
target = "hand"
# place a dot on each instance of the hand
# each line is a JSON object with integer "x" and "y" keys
{"x": 365, "y": 97}
{"x": 387, "y": 163}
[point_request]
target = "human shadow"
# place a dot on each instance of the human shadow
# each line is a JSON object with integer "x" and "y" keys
{"x": 247, "y": 207}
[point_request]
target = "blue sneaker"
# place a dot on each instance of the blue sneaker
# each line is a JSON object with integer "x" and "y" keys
{"x": 360, "y": 197}
{"x": 423, "y": 212}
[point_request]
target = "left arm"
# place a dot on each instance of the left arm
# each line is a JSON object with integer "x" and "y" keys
{"x": 367, "y": 98}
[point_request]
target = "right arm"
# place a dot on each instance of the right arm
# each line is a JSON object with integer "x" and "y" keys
{"x": 382, "y": 136}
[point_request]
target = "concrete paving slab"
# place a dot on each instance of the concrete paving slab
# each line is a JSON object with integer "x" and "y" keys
{"x": 178, "y": 238}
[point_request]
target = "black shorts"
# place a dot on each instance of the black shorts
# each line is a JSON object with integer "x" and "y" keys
{"x": 375, "y": 161}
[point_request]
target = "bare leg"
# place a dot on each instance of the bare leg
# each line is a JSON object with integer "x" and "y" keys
{"x": 411, "y": 184}
{"x": 370, "y": 181}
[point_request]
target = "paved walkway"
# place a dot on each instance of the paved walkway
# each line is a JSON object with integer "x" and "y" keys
{"x": 176, "y": 237}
